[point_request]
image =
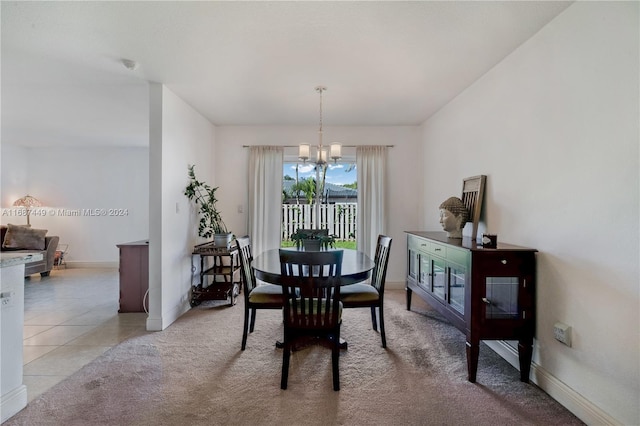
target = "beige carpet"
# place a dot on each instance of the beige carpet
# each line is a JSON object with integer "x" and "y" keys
{"x": 194, "y": 373}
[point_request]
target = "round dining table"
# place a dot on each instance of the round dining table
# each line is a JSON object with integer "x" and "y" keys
{"x": 356, "y": 266}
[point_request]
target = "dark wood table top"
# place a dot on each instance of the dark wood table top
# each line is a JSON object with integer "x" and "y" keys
{"x": 356, "y": 266}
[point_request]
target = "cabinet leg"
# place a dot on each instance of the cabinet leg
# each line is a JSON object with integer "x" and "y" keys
{"x": 525, "y": 352}
{"x": 473, "y": 350}
{"x": 409, "y": 293}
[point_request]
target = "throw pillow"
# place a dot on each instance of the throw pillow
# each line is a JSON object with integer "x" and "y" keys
{"x": 3, "y": 232}
{"x": 24, "y": 238}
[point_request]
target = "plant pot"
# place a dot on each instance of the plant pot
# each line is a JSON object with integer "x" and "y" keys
{"x": 222, "y": 240}
{"x": 311, "y": 245}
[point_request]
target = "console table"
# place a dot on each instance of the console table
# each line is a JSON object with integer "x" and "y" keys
{"x": 487, "y": 293}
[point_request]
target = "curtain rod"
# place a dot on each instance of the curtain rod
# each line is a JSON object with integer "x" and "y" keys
{"x": 295, "y": 146}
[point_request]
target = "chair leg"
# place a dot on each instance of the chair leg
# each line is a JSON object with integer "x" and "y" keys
{"x": 245, "y": 328}
{"x": 384, "y": 338}
{"x": 286, "y": 354}
{"x": 335, "y": 357}
{"x": 253, "y": 320}
{"x": 373, "y": 318}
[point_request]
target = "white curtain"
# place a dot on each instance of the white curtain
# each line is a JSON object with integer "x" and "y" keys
{"x": 371, "y": 163}
{"x": 265, "y": 197}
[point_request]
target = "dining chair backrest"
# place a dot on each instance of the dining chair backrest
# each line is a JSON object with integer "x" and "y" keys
{"x": 381, "y": 260}
{"x": 263, "y": 296}
{"x": 248, "y": 276}
{"x": 311, "y": 288}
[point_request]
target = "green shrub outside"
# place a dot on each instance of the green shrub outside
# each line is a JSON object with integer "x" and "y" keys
{"x": 338, "y": 244}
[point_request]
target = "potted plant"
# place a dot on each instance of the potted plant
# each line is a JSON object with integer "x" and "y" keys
{"x": 211, "y": 223}
{"x": 312, "y": 241}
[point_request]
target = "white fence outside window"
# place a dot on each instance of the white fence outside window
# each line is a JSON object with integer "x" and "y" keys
{"x": 338, "y": 218}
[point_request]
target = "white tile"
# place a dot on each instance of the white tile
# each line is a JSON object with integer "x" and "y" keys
{"x": 64, "y": 360}
{"x": 105, "y": 335}
{"x": 60, "y": 335}
{"x": 31, "y": 353}
{"x": 32, "y": 330}
{"x": 71, "y": 318}
{"x": 37, "y": 385}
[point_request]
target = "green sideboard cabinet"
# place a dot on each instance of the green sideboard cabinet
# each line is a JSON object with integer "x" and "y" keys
{"x": 487, "y": 293}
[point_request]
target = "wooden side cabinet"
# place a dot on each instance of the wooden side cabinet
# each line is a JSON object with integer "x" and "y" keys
{"x": 487, "y": 293}
{"x": 134, "y": 275}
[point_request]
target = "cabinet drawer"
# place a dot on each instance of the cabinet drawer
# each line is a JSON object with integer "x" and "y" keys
{"x": 499, "y": 264}
{"x": 438, "y": 249}
{"x": 418, "y": 244}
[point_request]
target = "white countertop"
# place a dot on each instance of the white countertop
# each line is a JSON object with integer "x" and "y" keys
{"x": 17, "y": 258}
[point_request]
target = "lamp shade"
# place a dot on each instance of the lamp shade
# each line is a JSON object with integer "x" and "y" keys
{"x": 303, "y": 152}
{"x": 27, "y": 201}
{"x": 322, "y": 156}
{"x": 336, "y": 151}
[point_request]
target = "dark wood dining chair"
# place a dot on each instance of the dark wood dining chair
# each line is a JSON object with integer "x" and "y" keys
{"x": 371, "y": 294}
{"x": 311, "y": 290}
{"x": 265, "y": 296}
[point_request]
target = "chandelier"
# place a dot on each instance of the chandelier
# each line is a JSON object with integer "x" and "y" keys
{"x": 335, "y": 149}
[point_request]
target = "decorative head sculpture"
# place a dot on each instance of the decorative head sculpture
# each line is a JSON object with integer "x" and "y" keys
{"x": 453, "y": 216}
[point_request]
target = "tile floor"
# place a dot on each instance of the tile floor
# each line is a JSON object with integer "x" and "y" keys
{"x": 71, "y": 318}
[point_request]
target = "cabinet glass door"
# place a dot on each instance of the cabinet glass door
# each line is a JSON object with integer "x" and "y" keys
{"x": 456, "y": 288}
{"x": 425, "y": 272}
{"x": 501, "y": 300}
{"x": 413, "y": 264}
{"x": 439, "y": 277}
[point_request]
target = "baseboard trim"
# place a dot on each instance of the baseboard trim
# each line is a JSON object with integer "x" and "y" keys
{"x": 584, "y": 409}
{"x": 91, "y": 265}
{"x": 154, "y": 324}
{"x": 168, "y": 318}
{"x": 395, "y": 285}
{"x": 13, "y": 402}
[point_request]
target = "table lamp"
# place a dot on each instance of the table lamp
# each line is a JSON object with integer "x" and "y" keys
{"x": 28, "y": 202}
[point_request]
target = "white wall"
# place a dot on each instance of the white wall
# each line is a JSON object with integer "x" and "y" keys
{"x": 555, "y": 128}
{"x": 14, "y": 177}
{"x": 231, "y": 167}
{"x": 179, "y": 136}
{"x": 72, "y": 180}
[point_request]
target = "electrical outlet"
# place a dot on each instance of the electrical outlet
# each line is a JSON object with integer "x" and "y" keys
{"x": 562, "y": 333}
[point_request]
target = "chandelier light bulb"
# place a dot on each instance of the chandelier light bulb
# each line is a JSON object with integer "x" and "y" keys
{"x": 322, "y": 156}
{"x": 336, "y": 151}
{"x": 304, "y": 151}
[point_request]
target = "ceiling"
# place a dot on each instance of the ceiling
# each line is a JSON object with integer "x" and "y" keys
{"x": 245, "y": 63}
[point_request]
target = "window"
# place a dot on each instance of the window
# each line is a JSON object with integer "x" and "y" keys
{"x": 339, "y": 194}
